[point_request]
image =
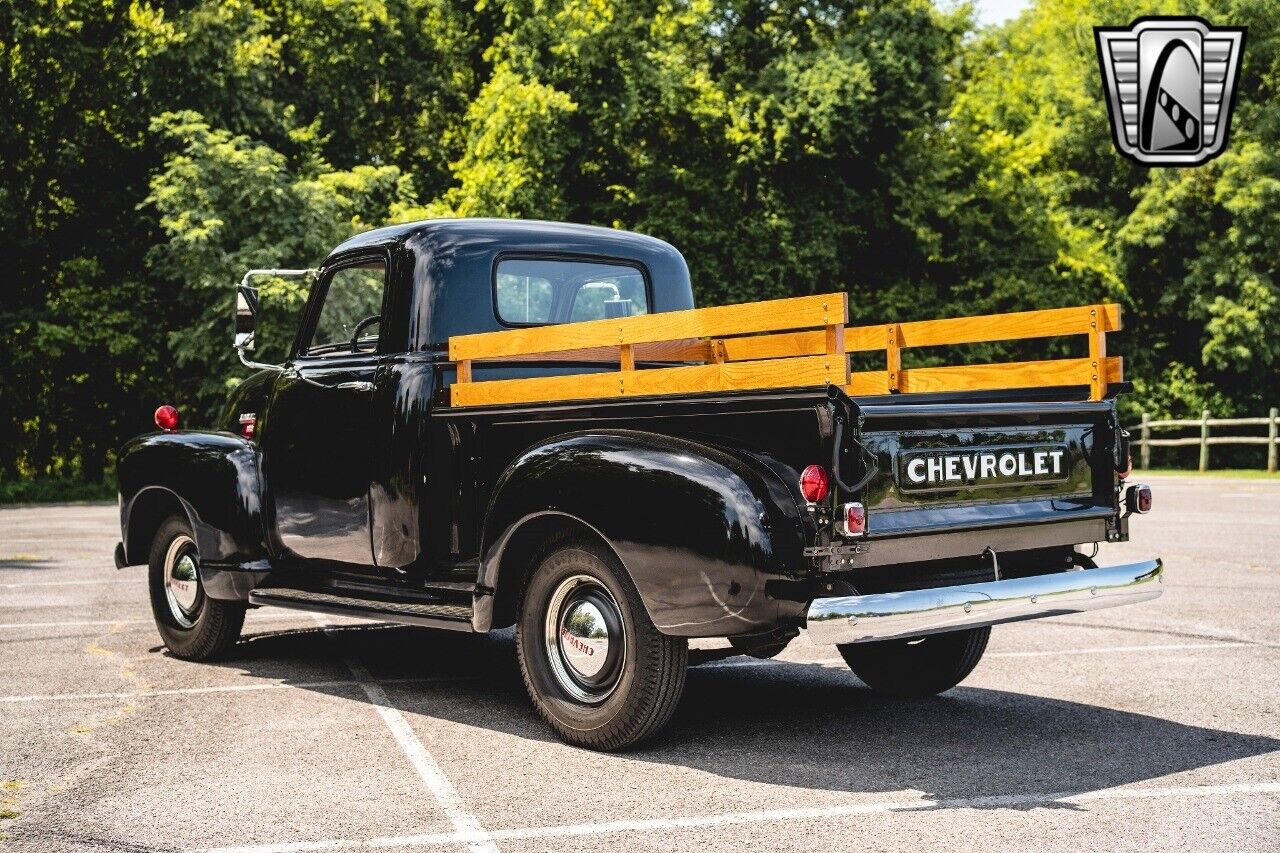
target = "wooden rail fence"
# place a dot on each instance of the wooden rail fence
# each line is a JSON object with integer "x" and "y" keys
{"x": 1204, "y": 440}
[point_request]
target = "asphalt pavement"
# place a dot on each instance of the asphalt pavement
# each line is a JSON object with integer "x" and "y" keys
{"x": 1155, "y": 726}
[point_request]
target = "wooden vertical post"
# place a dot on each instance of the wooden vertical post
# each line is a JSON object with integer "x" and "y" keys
{"x": 1204, "y": 440}
{"x": 1097, "y": 354}
{"x": 464, "y": 370}
{"x": 626, "y": 361}
{"x": 1146, "y": 441}
{"x": 834, "y": 320}
{"x": 1273, "y": 434}
{"x": 893, "y": 357}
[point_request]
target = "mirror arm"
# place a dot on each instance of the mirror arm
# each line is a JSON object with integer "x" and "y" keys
{"x": 245, "y": 343}
{"x": 256, "y": 365}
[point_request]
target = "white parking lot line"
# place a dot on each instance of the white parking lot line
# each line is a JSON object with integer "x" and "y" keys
{"x": 90, "y": 623}
{"x": 225, "y": 688}
{"x": 466, "y": 825}
{"x": 95, "y": 582}
{"x": 1100, "y": 650}
{"x": 838, "y": 663}
{"x": 769, "y": 816}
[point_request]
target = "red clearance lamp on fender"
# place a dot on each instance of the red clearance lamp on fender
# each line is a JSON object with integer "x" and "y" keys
{"x": 814, "y": 484}
{"x": 167, "y": 418}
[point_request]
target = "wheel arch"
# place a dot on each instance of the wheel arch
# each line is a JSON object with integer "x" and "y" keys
{"x": 698, "y": 530}
{"x": 527, "y": 542}
{"x": 146, "y": 512}
{"x": 213, "y": 480}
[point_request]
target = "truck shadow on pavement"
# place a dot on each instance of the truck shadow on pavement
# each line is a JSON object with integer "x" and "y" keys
{"x": 801, "y": 725}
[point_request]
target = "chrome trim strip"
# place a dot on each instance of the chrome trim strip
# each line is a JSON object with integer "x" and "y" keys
{"x": 897, "y": 615}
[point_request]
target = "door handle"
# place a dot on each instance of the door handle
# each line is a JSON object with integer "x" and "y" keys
{"x": 354, "y": 386}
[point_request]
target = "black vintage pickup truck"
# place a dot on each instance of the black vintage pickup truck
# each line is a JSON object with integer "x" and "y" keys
{"x": 484, "y": 423}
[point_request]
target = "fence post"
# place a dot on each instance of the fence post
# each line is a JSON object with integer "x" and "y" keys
{"x": 1146, "y": 441}
{"x": 1204, "y": 440}
{"x": 1273, "y": 432}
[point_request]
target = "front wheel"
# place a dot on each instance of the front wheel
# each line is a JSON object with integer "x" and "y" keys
{"x": 192, "y": 625}
{"x": 595, "y": 666}
{"x": 917, "y": 668}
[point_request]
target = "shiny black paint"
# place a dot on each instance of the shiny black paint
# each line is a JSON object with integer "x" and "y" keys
{"x": 212, "y": 478}
{"x": 700, "y": 530}
{"x": 391, "y": 489}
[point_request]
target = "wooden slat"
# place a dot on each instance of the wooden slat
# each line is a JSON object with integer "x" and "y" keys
{"x": 775, "y": 315}
{"x": 784, "y": 345}
{"x": 960, "y": 330}
{"x": 686, "y": 350}
{"x": 733, "y": 376}
{"x": 985, "y": 377}
{"x": 991, "y": 327}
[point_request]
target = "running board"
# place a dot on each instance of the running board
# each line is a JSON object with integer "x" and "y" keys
{"x": 454, "y": 617}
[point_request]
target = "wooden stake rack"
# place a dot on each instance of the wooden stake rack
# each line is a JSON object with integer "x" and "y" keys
{"x": 782, "y": 343}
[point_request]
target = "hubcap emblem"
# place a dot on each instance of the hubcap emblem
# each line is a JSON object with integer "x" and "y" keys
{"x": 584, "y": 639}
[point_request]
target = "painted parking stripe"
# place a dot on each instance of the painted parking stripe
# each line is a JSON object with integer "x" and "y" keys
{"x": 769, "y": 816}
{"x": 1098, "y": 650}
{"x": 90, "y": 623}
{"x": 838, "y": 663}
{"x": 227, "y": 688}
{"x": 96, "y": 582}
{"x": 466, "y": 826}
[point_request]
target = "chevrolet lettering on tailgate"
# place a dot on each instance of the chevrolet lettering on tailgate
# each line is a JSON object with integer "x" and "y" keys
{"x": 987, "y": 466}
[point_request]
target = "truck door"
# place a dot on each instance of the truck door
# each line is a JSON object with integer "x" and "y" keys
{"x": 320, "y": 430}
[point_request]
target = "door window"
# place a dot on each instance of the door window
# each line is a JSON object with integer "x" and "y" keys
{"x": 353, "y": 301}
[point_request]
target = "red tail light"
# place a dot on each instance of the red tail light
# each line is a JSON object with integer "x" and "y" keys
{"x": 167, "y": 418}
{"x": 1138, "y": 499}
{"x": 814, "y": 484}
{"x": 853, "y": 520}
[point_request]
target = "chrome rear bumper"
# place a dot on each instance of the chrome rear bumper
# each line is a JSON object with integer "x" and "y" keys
{"x": 896, "y": 615}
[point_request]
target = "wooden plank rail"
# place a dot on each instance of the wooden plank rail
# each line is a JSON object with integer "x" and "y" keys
{"x": 781, "y": 343}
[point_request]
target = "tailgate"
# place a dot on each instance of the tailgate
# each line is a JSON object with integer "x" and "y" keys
{"x": 963, "y": 466}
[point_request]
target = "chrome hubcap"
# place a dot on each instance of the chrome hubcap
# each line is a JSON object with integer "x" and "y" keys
{"x": 585, "y": 639}
{"x": 182, "y": 581}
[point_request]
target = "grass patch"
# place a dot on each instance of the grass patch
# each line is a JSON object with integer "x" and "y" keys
{"x": 10, "y": 788}
{"x": 54, "y": 490}
{"x": 1230, "y": 473}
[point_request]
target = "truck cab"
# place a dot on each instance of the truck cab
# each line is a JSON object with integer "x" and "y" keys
{"x": 437, "y": 450}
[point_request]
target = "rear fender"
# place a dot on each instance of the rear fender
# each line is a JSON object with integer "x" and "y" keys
{"x": 214, "y": 480}
{"x": 699, "y": 530}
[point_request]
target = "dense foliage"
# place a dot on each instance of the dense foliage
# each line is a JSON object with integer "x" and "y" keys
{"x": 151, "y": 151}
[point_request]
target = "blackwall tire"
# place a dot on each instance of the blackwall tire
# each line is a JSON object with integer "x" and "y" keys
{"x": 914, "y": 669}
{"x": 596, "y": 668}
{"x": 192, "y": 625}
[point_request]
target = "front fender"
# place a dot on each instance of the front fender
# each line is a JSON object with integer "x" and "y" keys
{"x": 699, "y": 530}
{"x": 215, "y": 479}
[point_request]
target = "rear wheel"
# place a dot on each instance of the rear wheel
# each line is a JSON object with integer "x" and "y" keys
{"x": 916, "y": 668}
{"x": 595, "y": 667}
{"x": 192, "y": 625}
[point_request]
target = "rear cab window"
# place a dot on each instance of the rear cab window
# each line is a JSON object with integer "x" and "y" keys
{"x": 545, "y": 291}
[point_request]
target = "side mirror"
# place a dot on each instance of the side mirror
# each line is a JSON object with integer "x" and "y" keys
{"x": 615, "y": 308}
{"x": 247, "y": 312}
{"x": 246, "y": 317}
